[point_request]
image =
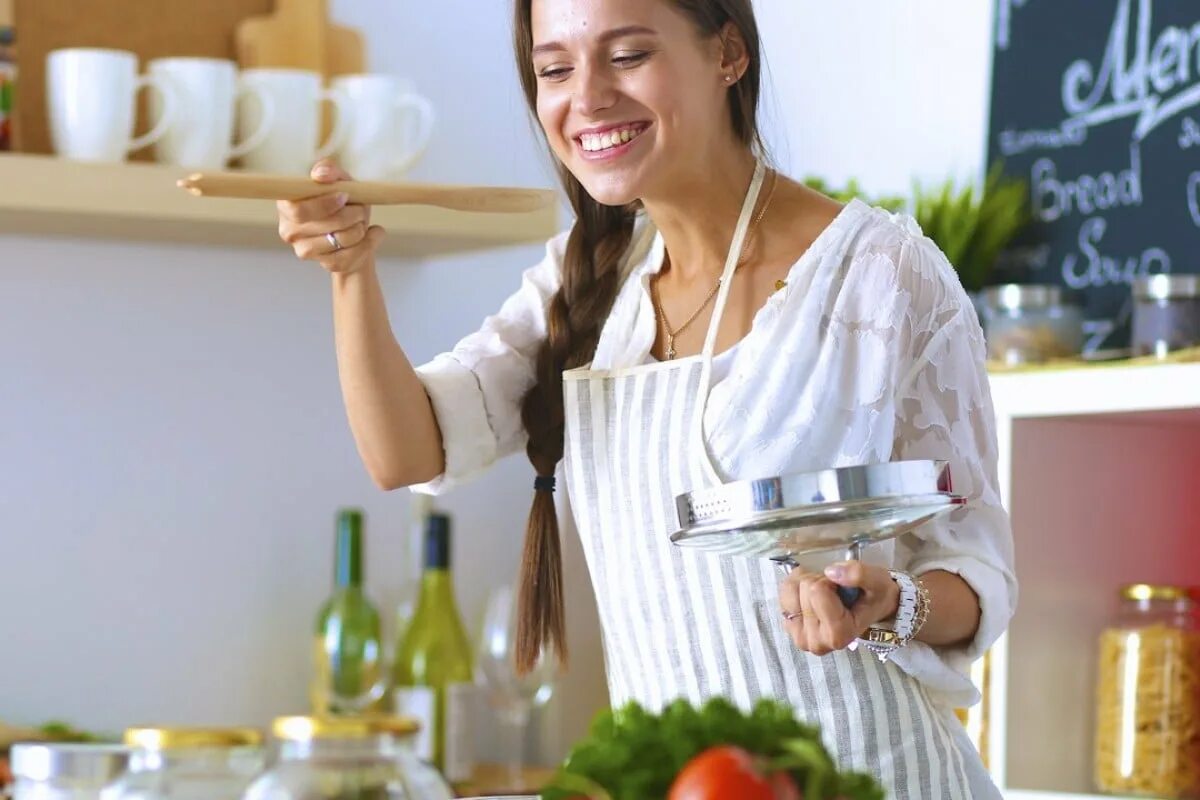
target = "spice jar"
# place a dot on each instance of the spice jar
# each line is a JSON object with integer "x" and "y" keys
{"x": 65, "y": 771}
{"x": 1148, "y": 696}
{"x": 188, "y": 764}
{"x": 1030, "y": 324}
{"x": 348, "y": 758}
{"x": 1166, "y": 314}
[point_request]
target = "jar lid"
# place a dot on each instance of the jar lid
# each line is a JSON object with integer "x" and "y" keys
{"x": 1014, "y": 296}
{"x": 303, "y": 729}
{"x": 1167, "y": 287}
{"x": 183, "y": 738}
{"x": 1150, "y": 591}
{"x": 44, "y": 761}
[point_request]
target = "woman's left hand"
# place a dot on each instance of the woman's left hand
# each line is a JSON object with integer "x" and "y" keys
{"x": 814, "y": 615}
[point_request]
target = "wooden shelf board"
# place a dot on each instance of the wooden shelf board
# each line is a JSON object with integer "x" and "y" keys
{"x": 139, "y": 202}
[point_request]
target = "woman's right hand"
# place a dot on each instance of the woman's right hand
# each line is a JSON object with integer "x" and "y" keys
{"x": 325, "y": 229}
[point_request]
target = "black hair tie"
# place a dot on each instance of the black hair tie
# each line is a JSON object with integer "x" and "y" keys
{"x": 543, "y": 484}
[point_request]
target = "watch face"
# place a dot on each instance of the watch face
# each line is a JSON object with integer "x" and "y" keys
{"x": 881, "y": 636}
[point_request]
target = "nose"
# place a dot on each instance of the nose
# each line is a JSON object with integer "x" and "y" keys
{"x": 595, "y": 90}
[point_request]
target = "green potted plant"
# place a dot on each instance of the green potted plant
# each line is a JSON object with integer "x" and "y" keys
{"x": 973, "y": 226}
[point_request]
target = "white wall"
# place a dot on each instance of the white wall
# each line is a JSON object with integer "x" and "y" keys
{"x": 878, "y": 90}
{"x": 173, "y": 442}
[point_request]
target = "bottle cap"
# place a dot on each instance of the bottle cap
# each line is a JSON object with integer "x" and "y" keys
{"x": 188, "y": 738}
{"x": 87, "y": 762}
{"x": 437, "y": 541}
{"x": 1149, "y": 591}
{"x": 304, "y": 729}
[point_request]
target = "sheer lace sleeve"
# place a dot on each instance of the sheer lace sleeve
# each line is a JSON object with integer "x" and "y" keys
{"x": 944, "y": 411}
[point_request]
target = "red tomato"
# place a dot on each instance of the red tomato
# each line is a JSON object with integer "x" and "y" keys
{"x": 726, "y": 772}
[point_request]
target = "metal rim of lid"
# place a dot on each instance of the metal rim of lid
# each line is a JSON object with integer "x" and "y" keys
{"x": 163, "y": 738}
{"x": 1151, "y": 591}
{"x": 308, "y": 728}
{"x": 808, "y": 490}
{"x": 1016, "y": 296}
{"x": 1167, "y": 287}
{"x": 44, "y": 761}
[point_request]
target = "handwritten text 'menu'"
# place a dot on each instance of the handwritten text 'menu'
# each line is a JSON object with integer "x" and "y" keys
{"x": 1137, "y": 84}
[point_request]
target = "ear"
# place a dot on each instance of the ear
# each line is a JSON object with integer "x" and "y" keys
{"x": 735, "y": 56}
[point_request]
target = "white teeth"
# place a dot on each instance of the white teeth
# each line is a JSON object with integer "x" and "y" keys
{"x": 593, "y": 142}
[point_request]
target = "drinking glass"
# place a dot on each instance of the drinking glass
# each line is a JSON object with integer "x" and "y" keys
{"x": 513, "y": 697}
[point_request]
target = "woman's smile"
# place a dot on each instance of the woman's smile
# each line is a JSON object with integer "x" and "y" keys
{"x": 609, "y": 142}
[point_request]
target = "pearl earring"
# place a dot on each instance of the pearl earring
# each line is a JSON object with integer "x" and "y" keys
{"x": 728, "y": 78}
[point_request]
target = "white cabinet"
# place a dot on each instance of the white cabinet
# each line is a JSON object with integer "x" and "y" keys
{"x": 1100, "y": 469}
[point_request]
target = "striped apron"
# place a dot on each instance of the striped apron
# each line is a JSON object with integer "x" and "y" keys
{"x": 677, "y": 623}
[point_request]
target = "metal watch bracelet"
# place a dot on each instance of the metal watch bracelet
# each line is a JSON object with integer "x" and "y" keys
{"x": 911, "y": 613}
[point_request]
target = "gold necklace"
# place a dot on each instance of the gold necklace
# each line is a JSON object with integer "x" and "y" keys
{"x": 662, "y": 316}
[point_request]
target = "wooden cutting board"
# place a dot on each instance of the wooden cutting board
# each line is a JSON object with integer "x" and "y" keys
{"x": 299, "y": 35}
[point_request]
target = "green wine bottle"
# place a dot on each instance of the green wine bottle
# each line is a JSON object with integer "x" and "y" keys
{"x": 348, "y": 647}
{"x": 433, "y": 679}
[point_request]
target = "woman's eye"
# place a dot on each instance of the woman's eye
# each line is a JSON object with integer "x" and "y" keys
{"x": 629, "y": 59}
{"x": 553, "y": 73}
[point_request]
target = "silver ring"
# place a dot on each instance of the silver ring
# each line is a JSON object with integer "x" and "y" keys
{"x": 333, "y": 242}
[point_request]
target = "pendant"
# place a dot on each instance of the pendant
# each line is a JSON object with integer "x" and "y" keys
{"x": 670, "y": 348}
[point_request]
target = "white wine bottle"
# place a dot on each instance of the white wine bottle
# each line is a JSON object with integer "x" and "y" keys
{"x": 433, "y": 678}
{"x": 409, "y": 577}
{"x": 348, "y": 645}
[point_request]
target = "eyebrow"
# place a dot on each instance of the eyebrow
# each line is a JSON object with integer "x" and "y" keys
{"x": 609, "y": 35}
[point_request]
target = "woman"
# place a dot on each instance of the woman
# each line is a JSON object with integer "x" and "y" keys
{"x": 705, "y": 319}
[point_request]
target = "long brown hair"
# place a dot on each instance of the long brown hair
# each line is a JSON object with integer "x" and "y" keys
{"x": 590, "y": 281}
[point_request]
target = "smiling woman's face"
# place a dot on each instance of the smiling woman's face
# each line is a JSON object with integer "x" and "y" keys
{"x": 628, "y": 93}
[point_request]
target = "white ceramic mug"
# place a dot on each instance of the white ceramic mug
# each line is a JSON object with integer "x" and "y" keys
{"x": 91, "y": 94}
{"x": 291, "y": 143}
{"x": 389, "y": 129}
{"x": 207, "y": 89}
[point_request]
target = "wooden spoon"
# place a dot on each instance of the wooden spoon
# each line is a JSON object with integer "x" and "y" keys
{"x": 457, "y": 198}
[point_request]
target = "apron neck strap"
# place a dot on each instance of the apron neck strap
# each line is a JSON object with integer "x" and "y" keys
{"x": 731, "y": 261}
{"x": 710, "y": 341}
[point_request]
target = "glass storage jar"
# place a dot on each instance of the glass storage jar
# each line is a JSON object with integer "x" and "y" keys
{"x": 1166, "y": 314}
{"x": 1148, "y": 696}
{"x": 62, "y": 771}
{"x": 189, "y": 764}
{"x": 368, "y": 757}
{"x": 1030, "y": 324}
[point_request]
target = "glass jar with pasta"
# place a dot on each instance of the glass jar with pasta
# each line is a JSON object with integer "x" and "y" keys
{"x": 1148, "y": 696}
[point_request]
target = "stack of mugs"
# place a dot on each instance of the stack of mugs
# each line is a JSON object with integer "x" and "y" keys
{"x": 205, "y": 113}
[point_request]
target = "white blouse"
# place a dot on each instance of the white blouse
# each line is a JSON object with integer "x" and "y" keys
{"x": 871, "y": 353}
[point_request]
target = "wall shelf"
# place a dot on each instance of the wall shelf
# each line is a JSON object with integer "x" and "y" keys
{"x": 43, "y": 195}
{"x": 1096, "y": 468}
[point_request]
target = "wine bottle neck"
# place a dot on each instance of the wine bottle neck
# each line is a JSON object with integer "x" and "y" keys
{"x": 348, "y": 572}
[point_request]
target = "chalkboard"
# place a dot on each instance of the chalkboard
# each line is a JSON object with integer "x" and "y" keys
{"x": 1097, "y": 104}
